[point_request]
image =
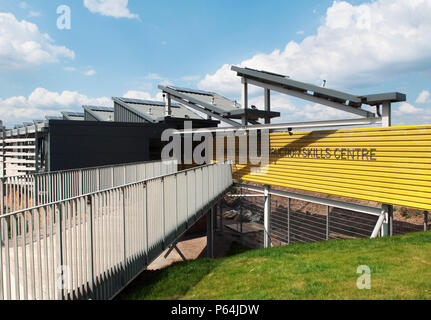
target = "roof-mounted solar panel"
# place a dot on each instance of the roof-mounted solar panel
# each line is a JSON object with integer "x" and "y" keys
{"x": 196, "y": 91}
{"x": 74, "y": 114}
{"x": 53, "y": 118}
{"x": 270, "y": 73}
{"x": 101, "y": 109}
{"x": 148, "y": 102}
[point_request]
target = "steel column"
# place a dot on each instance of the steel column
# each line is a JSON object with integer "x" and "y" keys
{"x": 267, "y": 102}
{"x": 244, "y": 101}
{"x": 386, "y": 115}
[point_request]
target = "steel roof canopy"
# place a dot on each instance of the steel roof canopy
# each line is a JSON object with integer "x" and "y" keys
{"x": 377, "y": 99}
{"x": 325, "y": 93}
{"x": 265, "y": 76}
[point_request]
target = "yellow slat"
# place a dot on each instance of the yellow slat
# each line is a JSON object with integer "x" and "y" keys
{"x": 400, "y": 174}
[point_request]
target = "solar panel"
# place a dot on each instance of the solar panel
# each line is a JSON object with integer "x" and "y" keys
{"x": 148, "y": 102}
{"x": 102, "y": 109}
{"x": 53, "y": 118}
{"x": 74, "y": 114}
{"x": 206, "y": 93}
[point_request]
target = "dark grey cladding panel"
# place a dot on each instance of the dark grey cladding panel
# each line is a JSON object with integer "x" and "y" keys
{"x": 80, "y": 144}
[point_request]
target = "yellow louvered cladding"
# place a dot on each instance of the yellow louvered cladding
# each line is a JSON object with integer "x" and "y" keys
{"x": 388, "y": 165}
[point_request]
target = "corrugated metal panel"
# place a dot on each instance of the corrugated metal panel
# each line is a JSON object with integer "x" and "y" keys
{"x": 387, "y": 165}
{"x": 122, "y": 114}
{"x": 89, "y": 117}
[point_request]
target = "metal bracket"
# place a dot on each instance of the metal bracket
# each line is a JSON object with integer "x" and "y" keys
{"x": 172, "y": 248}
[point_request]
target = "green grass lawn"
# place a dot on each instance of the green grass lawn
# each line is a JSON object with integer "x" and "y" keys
{"x": 400, "y": 269}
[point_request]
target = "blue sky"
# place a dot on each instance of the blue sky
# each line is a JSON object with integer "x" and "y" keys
{"x": 119, "y": 47}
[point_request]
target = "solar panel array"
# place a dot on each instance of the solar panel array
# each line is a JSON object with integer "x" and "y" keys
{"x": 148, "y": 102}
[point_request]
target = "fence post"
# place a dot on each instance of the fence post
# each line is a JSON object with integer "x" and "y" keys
{"x": 391, "y": 220}
{"x": 220, "y": 209}
{"x": 288, "y": 220}
{"x": 267, "y": 218}
{"x": 176, "y": 205}
{"x": 210, "y": 233}
{"x": 60, "y": 251}
{"x": 425, "y": 220}
{"x": 327, "y": 222}
{"x": 163, "y": 214}
{"x": 384, "y": 229}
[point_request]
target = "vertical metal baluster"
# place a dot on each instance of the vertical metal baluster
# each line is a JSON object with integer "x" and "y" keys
{"x": 2, "y": 297}
{"x": 6, "y": 223}
{"x": 70, "y": 248}
{"x": 24, "y": 253}
{"x": 59, "y": 213}
{"x": 45, "y": 231}
{"x": 52, "y": 249}
{"x": 39, "y": 258}
{"x": 81, "y": 253}
{"x": 16, "y": 257}
{"x": 75, "y": 261}
{"x": 91, "y": 247}
{"x": 32, "y": 264}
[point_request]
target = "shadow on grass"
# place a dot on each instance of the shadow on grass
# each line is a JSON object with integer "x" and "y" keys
{"x": 173, "y": 282}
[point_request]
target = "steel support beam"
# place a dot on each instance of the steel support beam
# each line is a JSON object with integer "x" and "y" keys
{"x": 291, "y": 125}
{"x": 168, "y": 109}
{"x": 323, "y": 201}
{"x": 193, "y": 103}
{"x": 208, "y": 113}
{"x": 267, "y": 104}
{"x": 244, "y": 100}
{"x": 308, "y": 97}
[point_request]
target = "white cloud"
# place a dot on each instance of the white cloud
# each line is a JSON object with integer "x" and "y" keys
{"x": 153, "y": 76}
{"x": 355, "y": 45}
{"x": 42, "y": 102}
{"x": 90, "y": 73}
{"x": 22, "y": 45}
{"x": 34, "y": 14}
{"x": 424, "y": 97}
{"x": 191, "y": 78}
{"x": 135, "y": 94}
{"x": 110, "y": 8}
{"x": 300, "y": 32}
{"x": 407, "y": 109}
